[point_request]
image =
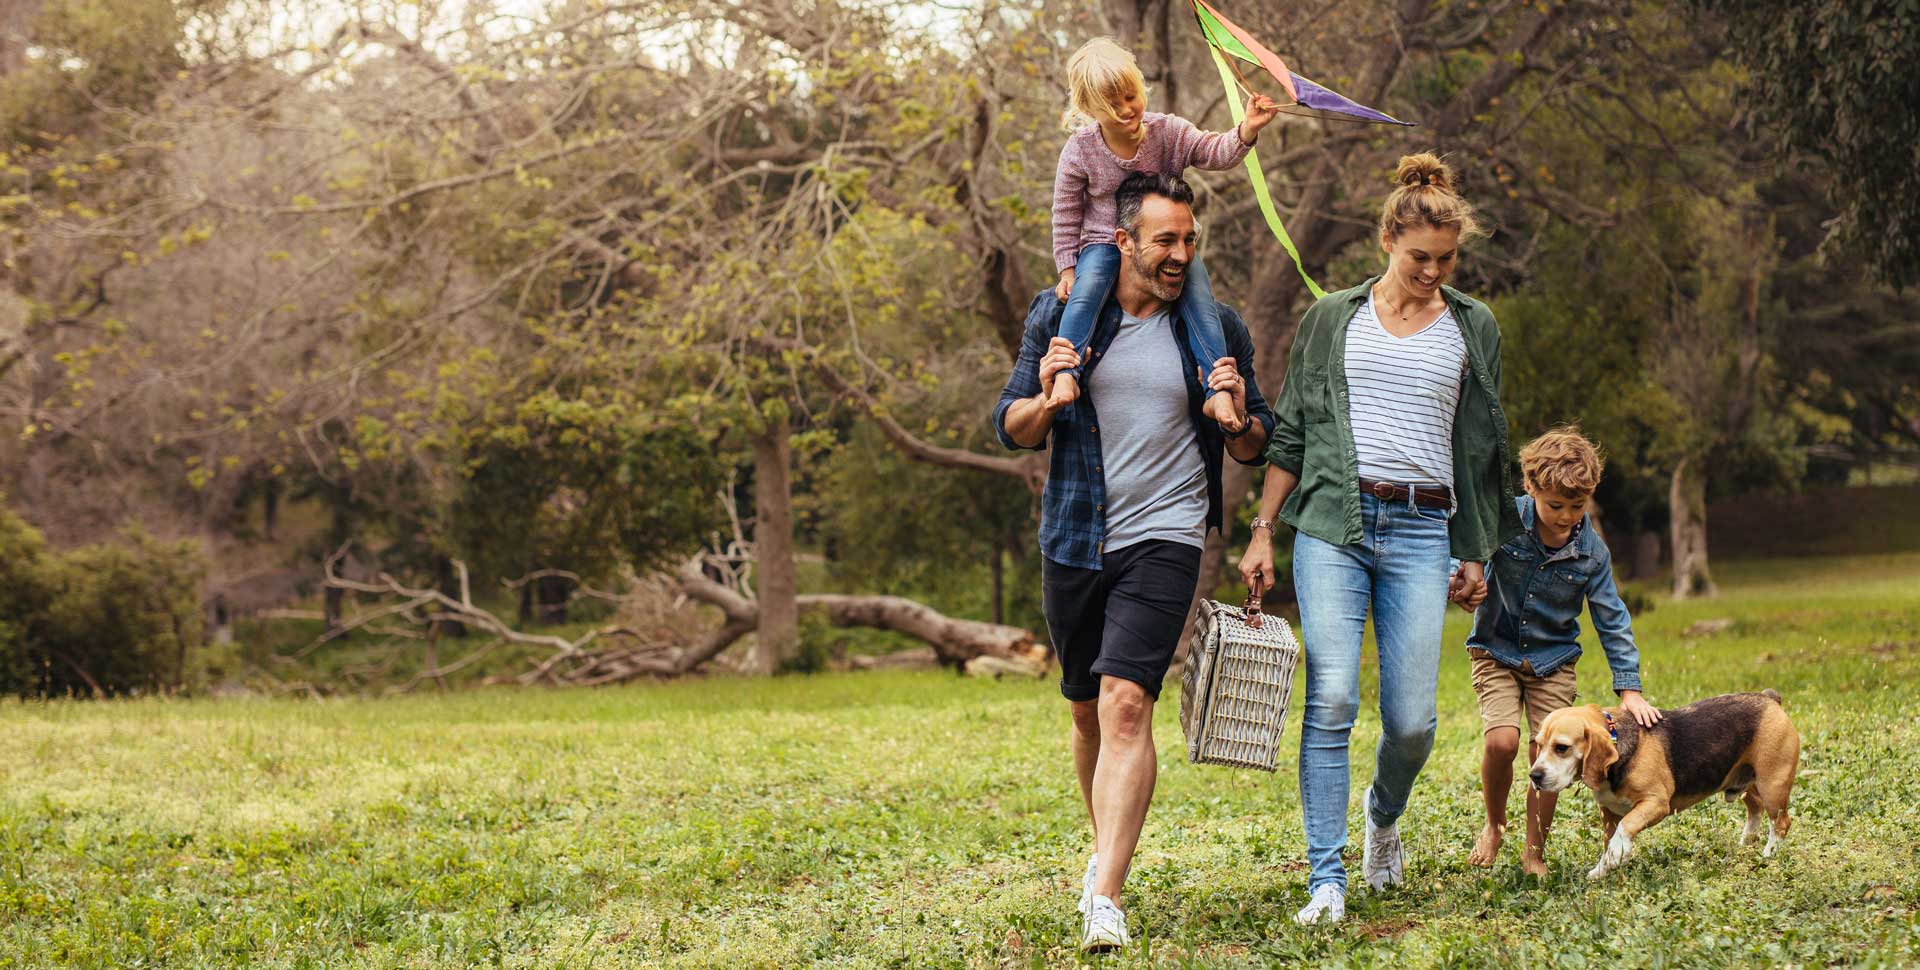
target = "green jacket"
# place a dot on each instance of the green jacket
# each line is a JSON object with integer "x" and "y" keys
{"x": 1314, "y": 440}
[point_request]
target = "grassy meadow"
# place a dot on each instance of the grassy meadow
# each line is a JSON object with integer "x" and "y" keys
{"x": 919, "y": 819}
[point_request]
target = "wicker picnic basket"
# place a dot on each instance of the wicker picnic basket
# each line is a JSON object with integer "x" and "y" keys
{"x": 1234, "y": 693}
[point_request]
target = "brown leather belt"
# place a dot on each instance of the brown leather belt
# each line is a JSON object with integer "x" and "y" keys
{"x": 1431, "y": 496}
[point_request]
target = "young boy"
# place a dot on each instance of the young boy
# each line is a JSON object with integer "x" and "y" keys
{"x": 1526, "y": 633}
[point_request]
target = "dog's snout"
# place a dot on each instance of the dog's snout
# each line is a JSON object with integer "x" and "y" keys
{"x": 1539, "y": 776}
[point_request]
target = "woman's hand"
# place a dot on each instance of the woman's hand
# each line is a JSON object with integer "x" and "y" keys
{"x": 1065, "y": 287}
{"x": 1468, "y": 587}
{"x": 1644, "y": 714}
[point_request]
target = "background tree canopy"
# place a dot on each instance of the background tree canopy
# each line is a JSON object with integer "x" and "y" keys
{"x": 718, "y": 295}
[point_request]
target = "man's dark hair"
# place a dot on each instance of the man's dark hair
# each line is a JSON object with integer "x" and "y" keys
{"x": 1137, "y": 187}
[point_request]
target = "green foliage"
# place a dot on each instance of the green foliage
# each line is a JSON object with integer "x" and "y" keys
{"x": 115, "y": 617}
{"x": 93, "y": 54}
{"x": 924, "y": 820}
{"x": 1830, "y": 84}
{"x": 564, "y": 484}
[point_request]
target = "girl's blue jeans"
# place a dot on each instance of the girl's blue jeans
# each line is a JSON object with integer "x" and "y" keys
{"x": 1093, "y": 279}
{"x": 1399, "y": 569}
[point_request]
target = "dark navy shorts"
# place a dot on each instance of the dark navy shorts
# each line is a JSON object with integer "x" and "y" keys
{"x": 1122, "y": 620}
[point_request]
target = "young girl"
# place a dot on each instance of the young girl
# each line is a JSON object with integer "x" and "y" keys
{"x": 1113, "y": 137}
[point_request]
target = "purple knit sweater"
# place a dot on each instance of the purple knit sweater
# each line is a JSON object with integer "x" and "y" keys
{"x": 1089, "y": 174}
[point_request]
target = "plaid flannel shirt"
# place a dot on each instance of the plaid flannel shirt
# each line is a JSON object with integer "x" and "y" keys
{"x": 1073, "y": 507}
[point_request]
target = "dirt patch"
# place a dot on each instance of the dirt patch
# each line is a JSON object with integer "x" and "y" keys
{"x": 1387, "y": 928}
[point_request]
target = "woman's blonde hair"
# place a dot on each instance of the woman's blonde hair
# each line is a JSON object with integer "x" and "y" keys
{"x": 1098, "y": 74}
{"x": 1426, "y": 196}
{"x": 1563, "y": 461}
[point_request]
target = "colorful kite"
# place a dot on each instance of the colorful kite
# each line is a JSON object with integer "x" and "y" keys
{"x": 1224, "y": 37}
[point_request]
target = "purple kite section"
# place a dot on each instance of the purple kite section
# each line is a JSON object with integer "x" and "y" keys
{"x": 1321, "y": 99}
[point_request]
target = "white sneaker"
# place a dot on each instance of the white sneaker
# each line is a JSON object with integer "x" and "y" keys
{"x": 1329, "y": 905}
{"x": 1383, "y": 861}
{"x": 1086, "y": 883}
{"x": 1106, "y": 927}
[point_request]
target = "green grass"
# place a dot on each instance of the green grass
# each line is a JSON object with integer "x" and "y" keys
{"x": 922, "y": 820}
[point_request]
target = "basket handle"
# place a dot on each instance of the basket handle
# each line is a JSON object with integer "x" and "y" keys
{"x": 1252, "y": 609}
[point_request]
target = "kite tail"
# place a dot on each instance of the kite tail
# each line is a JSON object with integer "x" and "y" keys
{"x": 1259, "y": 178}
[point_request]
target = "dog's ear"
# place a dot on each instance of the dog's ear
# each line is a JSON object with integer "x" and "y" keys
{"x": 1600, "y": 753}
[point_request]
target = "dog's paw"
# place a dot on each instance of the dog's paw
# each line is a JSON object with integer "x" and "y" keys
{"x": 1598, "y": 872}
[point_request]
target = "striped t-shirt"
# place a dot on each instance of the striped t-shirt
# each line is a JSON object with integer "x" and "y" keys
{"x": 1401, "y": 396}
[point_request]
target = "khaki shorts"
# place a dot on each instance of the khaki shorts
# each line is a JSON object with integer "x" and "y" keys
{"x": 1504, "y": 691}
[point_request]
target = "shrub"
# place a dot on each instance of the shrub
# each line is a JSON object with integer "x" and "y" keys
{"x": 111, "y": 618}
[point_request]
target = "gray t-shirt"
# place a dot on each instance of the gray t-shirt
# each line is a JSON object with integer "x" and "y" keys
{"x": 1150, "y": 456}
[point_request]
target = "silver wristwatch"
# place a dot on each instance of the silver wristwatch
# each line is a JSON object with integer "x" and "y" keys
{"x": 1260, "y": 523}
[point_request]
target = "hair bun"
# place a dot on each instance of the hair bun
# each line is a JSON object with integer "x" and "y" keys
{"x": 1424, "y": 169}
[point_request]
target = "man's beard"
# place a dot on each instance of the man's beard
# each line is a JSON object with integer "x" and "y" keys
{"x": 1163, "y": 289}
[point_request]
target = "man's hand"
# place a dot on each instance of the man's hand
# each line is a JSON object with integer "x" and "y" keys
{"x": 1060, "y": 357}
{"x": 1229, "y": 406}
{"x": 1644, "y": 714}
{"x": 1064, "y": 288}
{"x": 1261, "y": 110}
{"x": 1256, "y": 566}
{"x": 1468, "y": 587}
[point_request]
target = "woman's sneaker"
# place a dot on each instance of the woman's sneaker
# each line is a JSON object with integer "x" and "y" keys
{"x": 1329, "y": 905}
{"x": 1105, "y": 928}
{"x": 1384, "y": 860}
{"x": 1086, "y": 882}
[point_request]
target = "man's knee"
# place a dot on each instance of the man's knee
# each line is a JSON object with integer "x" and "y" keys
{"x": 1086, "y": 718}
{"x": 1126, "y": 712}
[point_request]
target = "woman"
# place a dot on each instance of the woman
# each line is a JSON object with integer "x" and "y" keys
{"x": 1390, "y": 458}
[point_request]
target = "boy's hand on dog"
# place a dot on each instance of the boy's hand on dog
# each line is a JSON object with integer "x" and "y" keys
{"x": 1644, "y": 714}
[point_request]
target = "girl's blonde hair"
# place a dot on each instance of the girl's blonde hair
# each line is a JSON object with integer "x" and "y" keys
{"x": 1426, "y": 197}
{"x": 1098, "y": 74}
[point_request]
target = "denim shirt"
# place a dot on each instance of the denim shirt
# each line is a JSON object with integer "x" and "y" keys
{"x": 1534, "y": 595}
{"x": 1073, "y": 511}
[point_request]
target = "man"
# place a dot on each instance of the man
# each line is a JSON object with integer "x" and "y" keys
{"x": 1131, "y": 493}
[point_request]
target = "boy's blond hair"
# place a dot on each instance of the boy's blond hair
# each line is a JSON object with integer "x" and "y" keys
{"x": 1097, "y": 74}
{"x": 1563, "y": 461}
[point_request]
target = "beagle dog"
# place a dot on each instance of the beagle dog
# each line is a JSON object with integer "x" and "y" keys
{"x": 1741, "y": 745}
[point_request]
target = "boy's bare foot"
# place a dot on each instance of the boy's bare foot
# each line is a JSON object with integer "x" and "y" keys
{"x": 1219, "y": 407}
{"x": 1488, "y": 847}
{"x": 1066, "y": 390}
{"x": 1534, "y": 863}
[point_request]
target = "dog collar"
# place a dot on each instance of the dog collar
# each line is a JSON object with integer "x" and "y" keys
{"x": 1612, "y": 732}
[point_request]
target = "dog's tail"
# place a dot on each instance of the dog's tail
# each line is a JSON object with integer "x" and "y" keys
{"x": 1774, "y": 696}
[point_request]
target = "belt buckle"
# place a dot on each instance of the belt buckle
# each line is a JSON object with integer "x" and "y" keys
{"x": 1383, "y": 489}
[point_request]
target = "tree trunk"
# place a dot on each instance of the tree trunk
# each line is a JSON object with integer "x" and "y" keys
{"x": 955, "y": 640}
{"x": 449, "y": 584}
{"x": 341, "y": 529}
{"x": 270, "y": 501}
{"x": 1688, "y": 501}
{"x": 999, "y": 584}
{"x": 778, "y": 637}
{"x": 1646, "y": 554}
{"x": 553, "y": 594}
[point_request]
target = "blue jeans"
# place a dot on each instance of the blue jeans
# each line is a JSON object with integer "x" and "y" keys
{"x": 1093, "y": 278}
{"x": 1400, "y": 569}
